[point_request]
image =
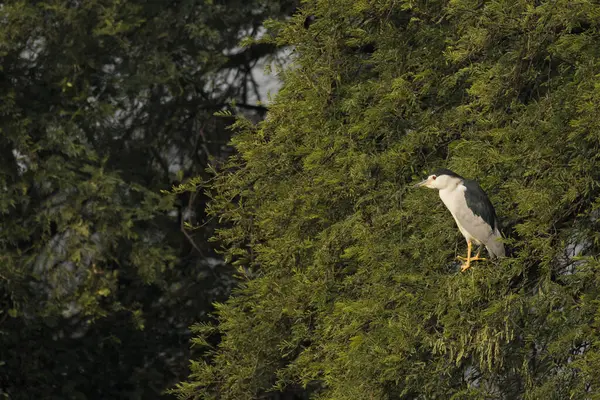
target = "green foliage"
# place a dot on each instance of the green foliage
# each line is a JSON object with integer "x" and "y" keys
{"x": 349, "y": 285}
{"x": 103, "y": 105}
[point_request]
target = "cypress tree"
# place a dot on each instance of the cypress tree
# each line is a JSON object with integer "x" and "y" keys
{"x": 349, "y": 287}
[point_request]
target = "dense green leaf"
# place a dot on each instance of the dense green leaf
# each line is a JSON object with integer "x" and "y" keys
{"x": 351, "y": 289}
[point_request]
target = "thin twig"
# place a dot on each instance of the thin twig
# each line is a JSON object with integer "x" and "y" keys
{"x": 182, "y": 226}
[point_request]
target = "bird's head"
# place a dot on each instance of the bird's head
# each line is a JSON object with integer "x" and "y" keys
{"x": 441, "y": 179}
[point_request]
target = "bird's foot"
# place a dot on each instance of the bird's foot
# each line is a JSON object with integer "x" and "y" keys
{"x": 476, "y": 258}
{"x": 467, "y": 262}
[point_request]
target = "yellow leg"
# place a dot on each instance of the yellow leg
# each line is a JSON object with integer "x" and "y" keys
{"x": 468, "y": 253}
{"x": 477, "y": 258}
{"x": 467, "y": 263}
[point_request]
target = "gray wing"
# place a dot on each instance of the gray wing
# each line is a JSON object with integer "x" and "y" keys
{"x": 474, "y": 225}
{"x": 480, "y": 203}
{"x": 479, "y": 219}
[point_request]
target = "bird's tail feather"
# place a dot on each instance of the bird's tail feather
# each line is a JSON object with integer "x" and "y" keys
{"x": 495, "y": 246}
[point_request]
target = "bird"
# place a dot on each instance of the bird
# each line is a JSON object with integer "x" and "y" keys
{"x": 472, "y": 210}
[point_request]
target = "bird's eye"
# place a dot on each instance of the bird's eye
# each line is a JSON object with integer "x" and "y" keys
{"x": 433, "y": 177}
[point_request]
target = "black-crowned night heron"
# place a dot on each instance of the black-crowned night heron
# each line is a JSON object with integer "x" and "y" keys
{"x": 472, "y": 210}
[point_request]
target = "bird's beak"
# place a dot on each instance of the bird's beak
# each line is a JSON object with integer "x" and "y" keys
{"x": 422, "y": 183}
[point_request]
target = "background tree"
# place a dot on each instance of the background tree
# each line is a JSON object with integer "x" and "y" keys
{"x": 104, "y": 104}
{"x": 350, "y": 288}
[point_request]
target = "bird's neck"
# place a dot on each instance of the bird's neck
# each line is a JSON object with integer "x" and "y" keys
{"x": 452, "y": 186}
{"x": 449, "y": 195}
